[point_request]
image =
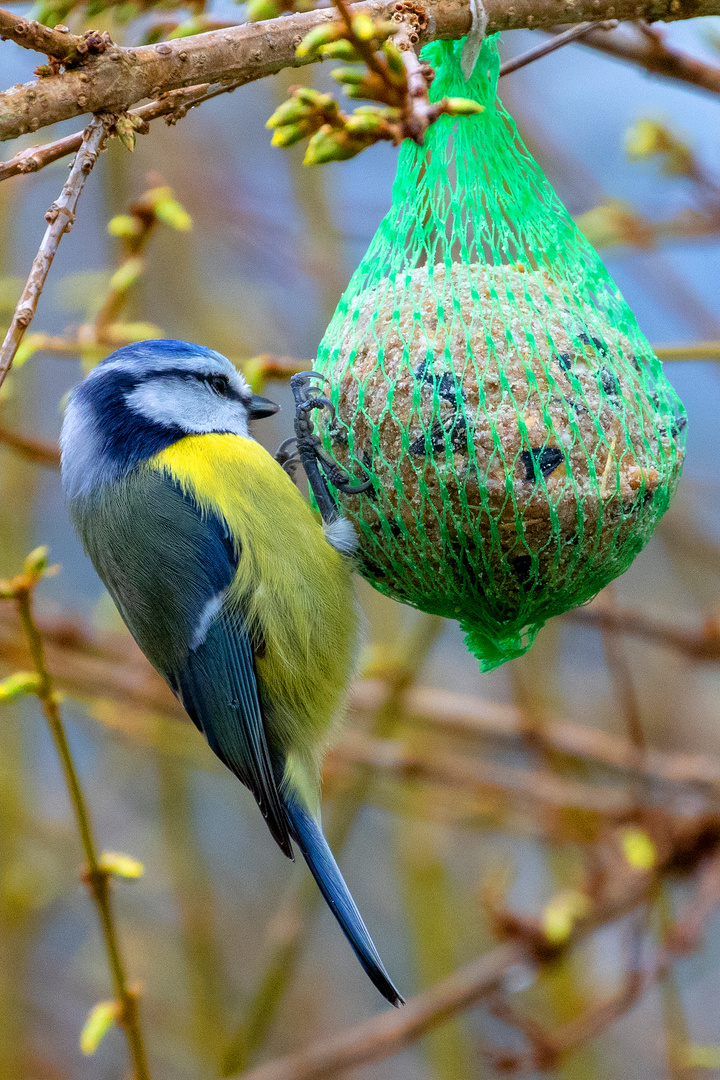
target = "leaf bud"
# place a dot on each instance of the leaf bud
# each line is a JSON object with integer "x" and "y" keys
{"x": 363, "y": 27}
{"x": 319, "y": 35}
{"x": 457, "y": 106}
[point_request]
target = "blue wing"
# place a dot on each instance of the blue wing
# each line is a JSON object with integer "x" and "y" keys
{"x": 168, "y": 567}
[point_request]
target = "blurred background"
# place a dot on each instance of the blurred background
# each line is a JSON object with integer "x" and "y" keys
{"x": 237, "y": 962}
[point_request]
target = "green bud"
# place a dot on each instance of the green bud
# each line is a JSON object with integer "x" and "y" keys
{"x": 363, "y": 27}
{"x": 124, "y": 226}
{"x": 127, "y": 274}
{"x": 125, "y": 131}
{"x": 351, "y": 76}
{"x": 459, "y": 106}
{"x": 385, "y": 29}
{"x": 329, "y": 144}
{"x": 27, "y": 348}
{"x": 310, "y": 96}
{"x": 341, "y": 50}
{"x": 100, "y": 1019}
{"x": 386, "y": 111}
{"x": 171, "y": 213}
{"x": 123, "y": 333}
{"x": 22, "y": 682}
{"x": 36, "y": 562}
{"x": 365, "y": 124}
{"x": 260, "y": 10}
{"x": 289, "y": 112}
{"x": 394, "y": 61}
{"x": 115, "y": 862}
{"x": 289, "y": 134}
{"x": 319, "y": 35}
{"x": 186, "y": 29}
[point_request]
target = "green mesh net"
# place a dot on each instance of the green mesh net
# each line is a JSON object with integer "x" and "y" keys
{"x": 489, "y": 378}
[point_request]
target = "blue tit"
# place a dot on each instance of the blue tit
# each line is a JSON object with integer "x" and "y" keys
{"x": 225, "y": 578}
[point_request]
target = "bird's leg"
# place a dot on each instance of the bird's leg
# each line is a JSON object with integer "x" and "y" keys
{"x": 319, "y": 466}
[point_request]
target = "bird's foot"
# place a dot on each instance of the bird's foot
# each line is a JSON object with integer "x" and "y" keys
{"x": 288, "y": 458}
{"x": 319, "y": 467}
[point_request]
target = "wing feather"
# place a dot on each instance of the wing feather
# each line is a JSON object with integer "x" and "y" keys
{"x": 168, "y": 566}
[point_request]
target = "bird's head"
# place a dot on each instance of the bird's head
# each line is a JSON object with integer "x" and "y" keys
{"x": 145, "y": 397}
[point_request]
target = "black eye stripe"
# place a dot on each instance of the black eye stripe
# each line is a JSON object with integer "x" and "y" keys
{"x": 217, "y": 382}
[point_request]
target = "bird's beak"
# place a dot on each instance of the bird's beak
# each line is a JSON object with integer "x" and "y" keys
{"x": 260, "y": 407}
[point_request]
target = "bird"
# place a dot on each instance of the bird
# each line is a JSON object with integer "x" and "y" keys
{"x": 231, "y": 586}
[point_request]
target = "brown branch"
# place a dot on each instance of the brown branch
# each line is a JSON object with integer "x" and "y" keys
{"x": 39, "y": 451}
{"x": 657, "y": 57}
{"x": 698, "y": 350}
{"x": 541, "y": 788}
{"x": 110, "y": 666}
{"x": 389, "y": 1033}
{"x": 173, "y": 106}
{"x": 33, "y": 35}
{"x": 121, "y": 77}
{"x": 701, "y": 644}
{"x": 60, "y": 218}
{"x": 565, "y": 37}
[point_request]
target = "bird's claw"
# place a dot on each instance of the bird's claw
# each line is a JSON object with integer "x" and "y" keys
{"x": 287, "y": 456}
{"x": 319, "y": 466}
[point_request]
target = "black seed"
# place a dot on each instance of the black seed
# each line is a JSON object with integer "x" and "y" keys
{"x": 565, "y": 360}
{"x": 367, "y": 459}
{"x": 678, "y": 427}
{"x": 596, "y": 342}
{"x": 610, "y": 383}
{"x": 447, "y": 387}
{"x": 456, "y": 433}
{"x": 547, "y": 459}
{"x": 424, "y": 371}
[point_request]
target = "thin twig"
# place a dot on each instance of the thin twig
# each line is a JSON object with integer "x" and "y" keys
{"x": 621, "y": 674}
{"x": 60, "y": 218}
{"x": 97, "y": 877}
{"x": 657, "y": 57}
{"x": 173, "y": 105}
{"x": 39, "y": 451}
{"x": 554, "y": 43}
{"x": 389, "y": 1033}
{"x": 701, "y": 644}
{"x": 697, "y": 350}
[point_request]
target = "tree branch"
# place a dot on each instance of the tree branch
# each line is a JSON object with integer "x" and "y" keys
{"x": 121, "y": 77}
{"x": 172, "y": 106}
{"x": 39, "y": 451}
{"x": 33, "y": 35}
{"x": 97, "y": 877}
{"x": 622, "y": 890}
{"x": 654, "y": 55}
{"x": 60, "y": 218}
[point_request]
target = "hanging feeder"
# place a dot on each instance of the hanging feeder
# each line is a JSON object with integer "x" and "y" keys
{"x": 489, "y": 379}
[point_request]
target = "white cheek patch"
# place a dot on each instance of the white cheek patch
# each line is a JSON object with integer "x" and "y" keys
{"x": 189, "y": 404}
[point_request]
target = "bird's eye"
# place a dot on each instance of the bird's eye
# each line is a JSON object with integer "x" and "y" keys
{"x": 218, "y": 383}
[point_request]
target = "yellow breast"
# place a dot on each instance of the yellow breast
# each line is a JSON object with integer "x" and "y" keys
{"x": 294, "y": 589}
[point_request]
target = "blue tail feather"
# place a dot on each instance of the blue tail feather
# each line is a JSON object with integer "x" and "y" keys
{"x": 306, "y": 832}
